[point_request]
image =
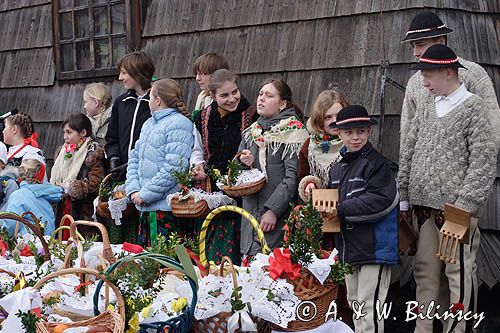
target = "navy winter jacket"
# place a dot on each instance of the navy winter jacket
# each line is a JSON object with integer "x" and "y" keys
{"x": 368, "y": 208}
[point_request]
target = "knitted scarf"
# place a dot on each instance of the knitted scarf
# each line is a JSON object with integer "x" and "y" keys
{"x": 67, "y": 169}
{"x": 288, "y": 132}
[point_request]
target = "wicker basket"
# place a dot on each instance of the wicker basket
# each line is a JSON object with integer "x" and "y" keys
{"x": 107, "y": 252}
{"x": 179, "y": 324}
{"x": 242, "y": 212}
{"x": 102, "y": 206}
{"x": 245, "y": 189}
{"x": 113, "y": 321}
{"x": 35, "y": 228}
{"x": 307, "y": 288}
{"x": 189, "y": 208}
{"x": 218, "y": 323}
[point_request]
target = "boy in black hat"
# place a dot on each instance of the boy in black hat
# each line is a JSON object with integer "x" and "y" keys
{"x": 426, "y": 29}
{"x": 450, "y": 158}
{"x": 368, "y": 213}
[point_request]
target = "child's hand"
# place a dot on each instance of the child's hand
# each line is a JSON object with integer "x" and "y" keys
{"x": 308, "y": 189}
{"x": 246, "y": 157}
{"x": 268, "y": 221}
{"x": 136, "y": 199}
{"x": 199, "y": 172}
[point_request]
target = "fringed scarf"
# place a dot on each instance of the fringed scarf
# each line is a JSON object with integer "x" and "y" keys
{"x": 288, "y": 132}
{"x": 66, "y": 168}
{"x": 322, "y": 154}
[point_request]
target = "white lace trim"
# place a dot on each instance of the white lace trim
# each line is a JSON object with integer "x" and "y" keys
{"x": 214, "y": 199}
{"x": 246, "y": 177}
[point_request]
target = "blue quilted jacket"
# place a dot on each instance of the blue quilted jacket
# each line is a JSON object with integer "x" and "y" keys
{"x": 164, "y": 145}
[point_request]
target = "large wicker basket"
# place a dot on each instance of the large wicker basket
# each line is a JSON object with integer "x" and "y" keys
{"x": 35, "y": 228}
{"x": 307, "y": 288}
{"x": 245, "y": 189}
{"x": 102, "y": 208}
{"x": 112, "y": 320}
{"x": 178, "y": 324}
{"x": 189, "y": 208}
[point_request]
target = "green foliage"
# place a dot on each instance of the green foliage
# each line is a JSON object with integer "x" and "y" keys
{"x": 28, "y": 320}
{"x": 58, "y": 249}
{"x": 340, "y": 271}
{"x": 305, "y": 234}
{"x": 107, "y": 189}
{"x": 233, "y": 172}
{"x": 183, "y": 176}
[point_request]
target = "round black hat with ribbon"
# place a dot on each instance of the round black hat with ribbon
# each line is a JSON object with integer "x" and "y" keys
{"x": 426, "y": 25}
{"x": 353, "y": 116}
{"x": 438, "y": 56}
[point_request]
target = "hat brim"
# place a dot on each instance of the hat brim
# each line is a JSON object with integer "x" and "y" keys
{"x": 426, "y": 34}
{"x": 426, "y": 65}
{"x": 355, "y": 124}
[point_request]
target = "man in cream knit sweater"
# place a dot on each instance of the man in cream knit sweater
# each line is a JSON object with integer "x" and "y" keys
{"x": 426, "y": 29}
{"x": 449, "y": 157}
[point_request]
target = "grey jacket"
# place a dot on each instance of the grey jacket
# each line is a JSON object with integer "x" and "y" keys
{"x": 279, "y": 191}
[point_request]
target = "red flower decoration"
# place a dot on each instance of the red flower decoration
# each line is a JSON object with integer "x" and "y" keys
{"x": 132, "y": 248}
{"x": 286, "y": 228}
{"x": 26, "y": 252}
{"x": 70, "y": 147}
{"x": 3, "y": 247}
{"x": 281, "y": 264}
{"x": 456, "y": 307}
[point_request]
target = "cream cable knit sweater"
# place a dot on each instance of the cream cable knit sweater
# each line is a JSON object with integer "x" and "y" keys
{"x": 451, "y": 159}
{"x": 476, "y": 81}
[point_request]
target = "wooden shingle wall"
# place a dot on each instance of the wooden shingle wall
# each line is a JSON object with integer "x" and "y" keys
{"x": 313, "y": 45}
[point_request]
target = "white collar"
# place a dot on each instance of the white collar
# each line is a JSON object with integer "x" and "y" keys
{"x": 455, "y": 96}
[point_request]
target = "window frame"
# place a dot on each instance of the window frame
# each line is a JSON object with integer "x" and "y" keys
{"x": 132, "y": 35}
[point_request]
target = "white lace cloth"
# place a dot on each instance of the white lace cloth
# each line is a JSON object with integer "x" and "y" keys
{"x": 273, "y": 301}
{"x": 246, "y": 176}
{"x": 214, "y": 199}
{"x": 320, "y": 268}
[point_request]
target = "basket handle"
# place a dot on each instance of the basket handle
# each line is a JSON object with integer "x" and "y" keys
{"x": 9, "y": 273}
{"x": 104, "y": 180}
{"x": 35, "y": 229}
{"x": 242, "y": 212}
{"x": 228, "y": 260}
{"x": 87, "y": 271}
{"x": 23, "y": 215}
{"x": 160, "y": 258}
{"x": 106, "y": 246}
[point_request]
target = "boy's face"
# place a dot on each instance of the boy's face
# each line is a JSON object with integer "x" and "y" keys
{"x": 202, "y": 80}
{"x": 439, "y": 81}
{"x": 421, "y": 45}
{"x": 129, "y": 83}
{"x": 355, "y": 138}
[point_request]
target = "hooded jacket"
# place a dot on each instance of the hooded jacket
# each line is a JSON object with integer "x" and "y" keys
{"x": 368, "y": 207}
{"x": 35, "y": 198}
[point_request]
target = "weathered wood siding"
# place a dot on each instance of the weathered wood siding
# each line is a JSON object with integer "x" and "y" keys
{"x": 313, "y": 45}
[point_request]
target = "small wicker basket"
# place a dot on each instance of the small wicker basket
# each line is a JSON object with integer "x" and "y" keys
{"x": 113, "y": 321}
{"x": 102, "y": 208}
{"x": 245, "y": 189}
{"x": 218, "y": 323}
{"x": 189, "y": 208}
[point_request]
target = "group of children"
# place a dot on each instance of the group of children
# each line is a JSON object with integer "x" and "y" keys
{"x": 448, "y": 155}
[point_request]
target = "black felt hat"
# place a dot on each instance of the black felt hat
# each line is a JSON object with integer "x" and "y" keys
{"x": 426, "y": 25}
{"x": 438, "y": 56}
{"x": 353, "y": 116}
